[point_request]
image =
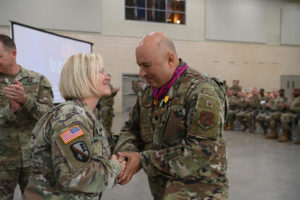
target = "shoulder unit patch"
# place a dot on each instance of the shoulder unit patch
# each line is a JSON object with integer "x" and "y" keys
{"x": 206, "y": 120}
{"x": 80, "y": 151}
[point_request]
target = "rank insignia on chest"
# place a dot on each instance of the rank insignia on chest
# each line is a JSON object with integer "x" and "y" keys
{"x": 209, "y": 104}
{"x": 80, "y": 151}
{"x": 166, "y": 99}
{"x": 71, "y": 134}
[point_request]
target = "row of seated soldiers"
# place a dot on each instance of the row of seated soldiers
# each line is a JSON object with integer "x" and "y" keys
{"x": 272, "y": 111}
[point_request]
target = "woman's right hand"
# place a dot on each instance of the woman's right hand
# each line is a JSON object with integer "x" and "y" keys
{"x": 122, "y": 162}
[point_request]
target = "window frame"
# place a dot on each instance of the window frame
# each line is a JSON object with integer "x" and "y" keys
{"x": 146, "y": 9}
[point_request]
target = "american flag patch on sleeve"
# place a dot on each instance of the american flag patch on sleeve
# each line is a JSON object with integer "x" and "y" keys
{"x": 71, "y": 134}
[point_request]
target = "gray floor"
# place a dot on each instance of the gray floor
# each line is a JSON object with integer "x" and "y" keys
{"x": 258, "y": 169}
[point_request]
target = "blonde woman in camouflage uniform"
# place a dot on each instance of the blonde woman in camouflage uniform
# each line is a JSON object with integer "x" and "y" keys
{"x": 175, "y": 130}
{"x": 71, "y": 156}
{"x": 25, "y": 96}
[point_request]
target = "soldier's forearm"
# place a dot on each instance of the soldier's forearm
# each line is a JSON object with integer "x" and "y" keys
{"x": 38, "y": 107}
{"x": 174, "y": 161}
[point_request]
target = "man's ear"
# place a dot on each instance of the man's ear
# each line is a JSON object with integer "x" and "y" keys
{"x": 14, "y": 53}
{"x": 171, "y": 59}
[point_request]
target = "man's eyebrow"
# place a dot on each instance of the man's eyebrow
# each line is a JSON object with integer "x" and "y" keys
{"x": 145, "y": 63}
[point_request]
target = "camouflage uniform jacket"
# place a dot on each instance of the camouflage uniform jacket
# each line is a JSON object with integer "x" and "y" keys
{"x": 263, "y": 100}
{"x": 138, "y": 85}
{"x": 181, "y": 140}
{"x": 295, "y": 105}
{"x": 109, "y": 100}
{"x": 233, "y": 102}
{"x": 254, "y": 103}
{"x": 236, "y": 89}
{"x": 15, "y": 128}
{"x": 276, "y": 102}
{"x": 242, "y": 104}
{"x": 105, "y": 102}
{"x": 70, "y": 155}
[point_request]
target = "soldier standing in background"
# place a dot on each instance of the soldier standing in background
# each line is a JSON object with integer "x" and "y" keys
{"x": 235, "y": 87}
{"x": 175, "y": 130}
{"x": 105, "y": 108}
{"x": 225, "y": 85}
{"x": 71, "y": 155}
{"x": 233, "y": 103}
{"x": 138, "y": 85}
{"x": 25, "y": 96}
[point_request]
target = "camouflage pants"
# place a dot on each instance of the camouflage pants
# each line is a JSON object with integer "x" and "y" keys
{"x": 240, "y": 116}
{"x": 231, "y": 116}
{"x": 248, "y": 118}
{"x": 9, "y": 178}
{"x": 274, "y": 119}
{"x": 165, "y": 189}
{"x": 286, "y": 120}
{"x": 263, "y": 119}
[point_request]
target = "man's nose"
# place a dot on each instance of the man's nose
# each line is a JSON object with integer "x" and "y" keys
{"x": 142, "y": 72}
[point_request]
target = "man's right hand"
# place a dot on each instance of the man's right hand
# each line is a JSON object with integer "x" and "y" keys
{"x": 133, "y": 165}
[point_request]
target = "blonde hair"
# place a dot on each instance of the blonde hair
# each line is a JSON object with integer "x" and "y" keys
{"x": 79, "y": 76}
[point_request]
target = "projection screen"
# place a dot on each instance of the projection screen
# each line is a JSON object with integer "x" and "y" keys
{"x": 45, "y": 52}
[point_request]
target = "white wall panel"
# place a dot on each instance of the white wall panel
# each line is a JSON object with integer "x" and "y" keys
{"x": 290, "y": 24}
{"x": 236, "y": 20}
{"x": 73, "y": 15}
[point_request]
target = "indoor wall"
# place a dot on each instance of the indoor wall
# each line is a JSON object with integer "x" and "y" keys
{"x": 255, "y": 65}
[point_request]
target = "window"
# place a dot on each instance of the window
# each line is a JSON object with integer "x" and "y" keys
{"x": 164, "y": 11}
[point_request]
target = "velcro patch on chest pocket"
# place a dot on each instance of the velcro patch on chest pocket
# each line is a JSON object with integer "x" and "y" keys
{"x": 205, "y": 122}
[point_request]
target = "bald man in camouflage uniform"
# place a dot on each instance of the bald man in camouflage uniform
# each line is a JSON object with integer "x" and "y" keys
{"x": 25, "y": 96}
{"x": 288, "y": 118}
{"x": 176, "y": 137}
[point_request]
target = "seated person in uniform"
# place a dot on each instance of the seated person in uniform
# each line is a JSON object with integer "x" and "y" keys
{"x": 71, "y": 155}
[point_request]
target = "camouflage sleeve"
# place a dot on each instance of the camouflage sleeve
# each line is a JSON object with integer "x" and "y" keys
{"x": 202, "y": 148}
{"x": 128, "y": 136}
{"x": 6, "y": 115}
{"x": 84, "y": 163}
{"x": 295, "y": 106}
{"x": 40, "y": 104}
